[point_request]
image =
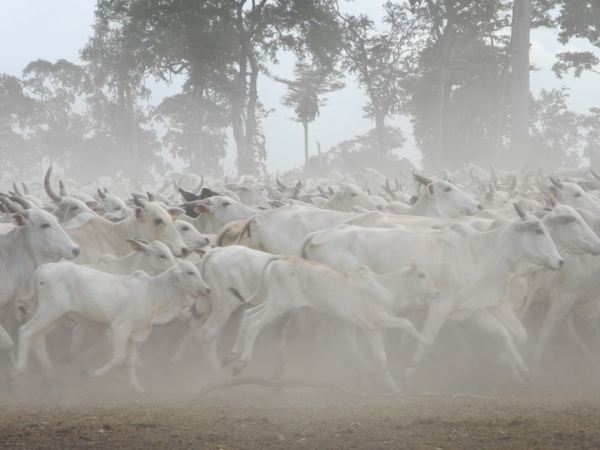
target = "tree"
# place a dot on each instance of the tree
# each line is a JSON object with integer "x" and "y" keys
{"x": 556, "y": 136}
{"x": 116, "y": 66}
{"x": 304, "y": 93}
{"x": 382, "y": 62}
{"x": 578, "y": 19}
{"x": 16, "y": 110}
{"x": 56, "y": 130}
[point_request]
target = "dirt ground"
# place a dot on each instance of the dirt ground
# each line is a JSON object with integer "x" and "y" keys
{"x": 472, "y": 407}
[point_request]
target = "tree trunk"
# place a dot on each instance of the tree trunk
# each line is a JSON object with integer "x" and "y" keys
{"x": 381, "y": 137}
{"x": 198, "y": 155}
{"x": 305, "y": 125}
{"x": 133, "y": 135}
{"x": 519, "y": 92}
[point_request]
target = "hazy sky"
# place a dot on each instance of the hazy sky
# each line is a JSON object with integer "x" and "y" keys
{"x": 54, "y": 29}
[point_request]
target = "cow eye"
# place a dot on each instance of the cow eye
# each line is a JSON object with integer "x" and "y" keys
{"x": 162, "y": 256}
{"x": 578, "y": 194}
{"x": 226, "y": 203}
{"x": 448, "y": 189}
{"x": 190, "y": 273}
{"x": 421, "y": 275}
{"x": 185, "y": 228}
{"x": 117, "y": 208}
{"x": 73, "y": 207}
{"x": 354, "y": 194}
{"x": 539, "y": 232}
{"x": 45, "y": 225}
{"x": 159, "y": 221}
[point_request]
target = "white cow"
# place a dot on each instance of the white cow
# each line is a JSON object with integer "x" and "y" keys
{"x": 214, "y": 212}
{"x": 470, "y": 268}
{"x": 36, "y": 239}
{"x": 439, "y": 199}
{"x": 128, "y": 306}
{"x": 97, "y": 236}
{"x": 362, "y": 299}
{"x": 349, "y": 195}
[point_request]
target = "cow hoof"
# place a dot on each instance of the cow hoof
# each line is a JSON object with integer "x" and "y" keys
{"x": 87, "y": 373}
{"x": 238, "y": 368}
{"x": 526, "y": 378}
{"x": 227, "y": 360}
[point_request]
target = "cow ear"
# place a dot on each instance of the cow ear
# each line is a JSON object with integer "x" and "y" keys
{"x": 135, "y": 245}
{"x": 565, "y": 219}
{"x": 201, "y": 208}
{"x": 91, "y": 204}
{"x": 176, "y": 212}
{"x": 489, "y": 196}
{"x": 18, "y": 220}
{"x": 139, "y": 213}
{"x": 200, "y": 252}
{"x": 430, "y": 190}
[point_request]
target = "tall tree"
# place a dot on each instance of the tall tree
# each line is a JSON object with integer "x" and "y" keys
{"x": 519, "y": 83}
{"x": 305, "y": 93}
{"x": 382, "y": 61}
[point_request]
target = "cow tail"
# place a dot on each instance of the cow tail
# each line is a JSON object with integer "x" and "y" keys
{"x": 236, "y": 293}
{"x": 245, "y": 230}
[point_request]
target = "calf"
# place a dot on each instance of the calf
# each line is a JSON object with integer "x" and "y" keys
{"x": 362, "y": 299}
{"x": 128, "y": 306}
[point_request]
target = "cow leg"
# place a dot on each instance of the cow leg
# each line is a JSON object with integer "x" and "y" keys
{"x": 240, "y": 341}
{"x": 132, "y": 359}
{"x": 377, "y": 353}
{"x": 436, "y": 317}
{"x": 505, "y": 314}
{"x": 578, "y": 341}
{"x": 77, "y": 339}
{"x": 191, "y": 326}
{"x": 37, "y": 328}
{"x": 287, "y": 328}
{"x": 559, "y": 308}
{"x": 7, "y": 346}
{"x": 485, "y": 320}
{"x": 120, "y": 341}
{"x": 38, "y": 346}
{"x": 256, "y": 322}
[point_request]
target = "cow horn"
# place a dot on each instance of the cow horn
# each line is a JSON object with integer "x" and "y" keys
{"x": 13, "y": 208}
{"x": 282, "y": 186}
{"x": 101, "y": 194}
{"x": 594, "y": 174}
{"x": 513, "y": 183}
{"x": 398, "y": 185}
{"x": 556, "y": 183}
{"x": 331, "y": 191}
{"x": 137, "y": 200}
{"x": 150, "y": 197}
{"x": 551, "y": 202}
{"x": 421, "y": 179}
{"x": 16, "y": 190}
{"x": 387, "y": 189}
{"x": 49, "y": 191}
{"x": 62, "y": 189}
{"x": 200, "y": 186}
{"x": 21, "y": 201}
{"x": 491, "y": 187}
{"x": 25, "y": 188}
{"x": 519, "y": 210}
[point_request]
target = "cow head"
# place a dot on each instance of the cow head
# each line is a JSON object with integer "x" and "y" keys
{"x": 573, "y": 195}
{"x": 46, "y": 237}
{"x": 66, "y": 208}
{"x": 447, "y": 199}
{"x": 111, "y": 204}
{"x": 532, "y": 238}
{"x": 156, "y": 256}
{"x": 570, "y": 232}
{"x": 190, "y": 282}
{"x": 349, "y": 195}
{"x": 191, "y": 237}
{"x": 151, "y": 222}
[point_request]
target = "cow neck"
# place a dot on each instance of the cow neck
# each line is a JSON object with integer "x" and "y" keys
{"x": 496, "y": 248}
{"x": 424, "y": 206}
{"x": 19, "y": 259}
{"x": 162, "y": 291}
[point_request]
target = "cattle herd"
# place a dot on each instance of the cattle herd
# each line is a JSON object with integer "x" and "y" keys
{"x": 346, "y": 256}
